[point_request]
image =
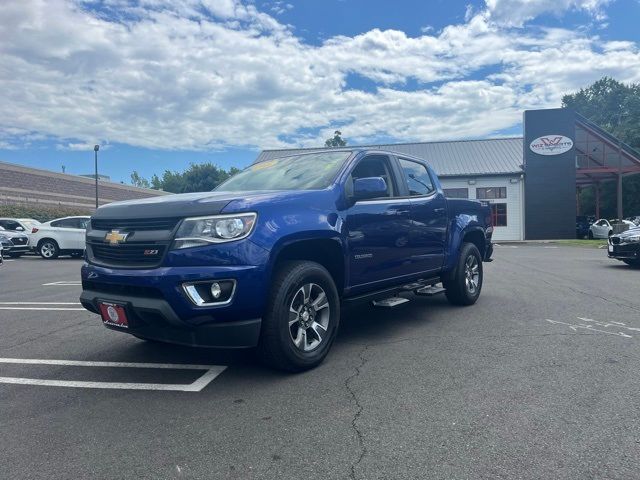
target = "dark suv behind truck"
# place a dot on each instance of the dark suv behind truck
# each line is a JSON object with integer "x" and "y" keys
{"x": 267, "y": 259}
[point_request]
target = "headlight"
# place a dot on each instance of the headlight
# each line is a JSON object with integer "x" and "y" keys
{"x": 198, "y": 231}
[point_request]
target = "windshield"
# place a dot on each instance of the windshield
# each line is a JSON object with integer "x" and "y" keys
{"x": 312, "y": 171}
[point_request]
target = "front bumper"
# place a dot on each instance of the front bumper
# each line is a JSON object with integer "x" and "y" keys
{"x": 158, "y": 308}
{"x": 624, "y": 251}
{"x": 18, "y": 249}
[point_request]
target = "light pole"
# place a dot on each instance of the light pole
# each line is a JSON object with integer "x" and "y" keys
{"x": 95, "y": 151}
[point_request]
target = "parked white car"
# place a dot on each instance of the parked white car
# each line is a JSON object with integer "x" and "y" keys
{"x": 603, "y": 228}
{"x": 62, "y": 236}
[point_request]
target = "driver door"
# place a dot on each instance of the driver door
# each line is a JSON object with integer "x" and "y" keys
{"x": 377, "y": 229}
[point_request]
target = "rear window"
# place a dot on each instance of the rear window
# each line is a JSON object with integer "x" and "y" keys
{"x": 418, "y": 178}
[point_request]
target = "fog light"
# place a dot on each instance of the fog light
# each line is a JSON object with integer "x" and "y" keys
{"x": 216, "y": 290}
{"x": 210, "y": 292}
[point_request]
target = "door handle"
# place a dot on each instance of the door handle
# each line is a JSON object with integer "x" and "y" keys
{"x": 438, "y": 210}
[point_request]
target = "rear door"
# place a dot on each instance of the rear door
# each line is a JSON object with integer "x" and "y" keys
{"x": 377, "y": 229}
{"x": 428, "y": 216}
{"x": 65, "y": 232}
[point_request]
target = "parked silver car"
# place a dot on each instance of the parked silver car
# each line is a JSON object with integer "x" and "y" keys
{"x": 19, "y": 243}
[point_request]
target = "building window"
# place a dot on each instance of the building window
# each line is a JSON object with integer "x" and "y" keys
{"x": 491, "y": 193}
{"x": 499, "y": 214}
{"x": 456, "y": 192}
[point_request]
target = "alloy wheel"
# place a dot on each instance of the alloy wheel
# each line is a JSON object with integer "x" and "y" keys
{"x": 47, "y": 249}
{"x": 309, "y": 315}
{"x": 472, "y": 274}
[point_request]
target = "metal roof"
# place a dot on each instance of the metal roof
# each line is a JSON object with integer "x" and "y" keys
{"x": 495, "y": 156}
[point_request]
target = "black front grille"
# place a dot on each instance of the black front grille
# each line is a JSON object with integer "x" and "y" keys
{"x": 134, "y": 224}
{"x": 20, "y": 240}
{"x": 130, "y": 255}
{"x": 117, "y": 289}
{"x": 627, "y": 249}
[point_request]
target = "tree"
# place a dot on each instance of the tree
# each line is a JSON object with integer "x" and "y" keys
{"x": 139, "y": 181}
{"x": 616, "y": 108}
{"x": 336, "y": 141}
{"x": 196, "y": 178}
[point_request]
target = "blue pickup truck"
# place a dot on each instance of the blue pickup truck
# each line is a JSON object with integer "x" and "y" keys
{"x": 268, "y": 258}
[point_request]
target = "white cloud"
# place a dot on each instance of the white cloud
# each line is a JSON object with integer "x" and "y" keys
{"x": 517, "y": 12}
{"x": 190, "y": 74}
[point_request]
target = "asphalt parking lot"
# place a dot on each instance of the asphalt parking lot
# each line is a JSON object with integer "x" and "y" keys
{"x": 538, "y": 380}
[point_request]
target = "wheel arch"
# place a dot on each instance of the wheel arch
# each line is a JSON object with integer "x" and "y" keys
{"x": 327, "y": 250}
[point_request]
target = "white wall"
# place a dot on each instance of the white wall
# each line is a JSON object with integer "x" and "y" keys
{"x": 514, "y": 229}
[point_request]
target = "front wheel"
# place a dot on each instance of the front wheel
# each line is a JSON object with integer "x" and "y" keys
{"x": 464, "y": 283}
{"x": 302, "y": 317}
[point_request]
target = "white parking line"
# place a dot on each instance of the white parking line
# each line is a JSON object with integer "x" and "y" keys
{"x": 211, "y": 372}
{"x": 63, "y": 283}
{"x": 48, "y": 309}
{"x": 40, "y": 303}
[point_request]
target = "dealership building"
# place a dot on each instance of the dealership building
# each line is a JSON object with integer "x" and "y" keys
{"x": 531, "y": 182}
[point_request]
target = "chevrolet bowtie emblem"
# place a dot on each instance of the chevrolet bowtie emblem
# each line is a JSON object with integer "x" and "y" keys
{"x": 114, "y": 237}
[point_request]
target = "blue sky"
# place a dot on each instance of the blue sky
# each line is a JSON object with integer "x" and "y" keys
{"x": 160, "y": 84}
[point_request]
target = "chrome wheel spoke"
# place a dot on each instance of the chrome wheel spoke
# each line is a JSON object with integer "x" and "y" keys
{"x": 293, "y": 315}
{"x": 306, "y": 292}
{"x": 319, "y": 330}
{"x": 320, "y": 303}
{"x": 301, "y": 339}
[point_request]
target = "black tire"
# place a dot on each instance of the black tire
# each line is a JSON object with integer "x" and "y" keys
{"x": 632, "y": 263}
{"x": 457, "y": 289}
{"x": 48, "y": 249}
{"x": 277, "y": 347}
{"x": 590, "y": 235}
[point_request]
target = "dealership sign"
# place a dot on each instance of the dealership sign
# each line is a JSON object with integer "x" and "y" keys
{"x": 551, "y": 145}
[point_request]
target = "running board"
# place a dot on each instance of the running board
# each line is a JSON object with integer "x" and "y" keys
{"x": 429, "y": 291}
{"x": 390, "y": 302}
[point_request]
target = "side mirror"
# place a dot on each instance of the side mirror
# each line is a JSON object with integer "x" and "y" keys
{"x": 369, "y": 187}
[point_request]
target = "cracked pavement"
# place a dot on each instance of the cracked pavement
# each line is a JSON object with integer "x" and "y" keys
{"x": 425, "y": 390}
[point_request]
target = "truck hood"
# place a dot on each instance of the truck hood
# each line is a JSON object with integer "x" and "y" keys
{"x": 629, "y": 233}
{"x": 177, "y": 205}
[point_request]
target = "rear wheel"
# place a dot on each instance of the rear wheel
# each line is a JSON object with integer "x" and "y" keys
{"x": 465, "y": 282}
{"x": 48, "y": 249}
{"x": 302, "y": 317}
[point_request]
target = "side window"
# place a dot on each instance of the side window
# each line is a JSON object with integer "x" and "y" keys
{"x": 418, "y": 178}
{"x": 374, "y": 166}
{"x": 82, "y": 223}
{"x": 66, "y": 223}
